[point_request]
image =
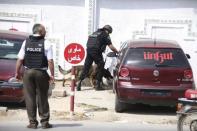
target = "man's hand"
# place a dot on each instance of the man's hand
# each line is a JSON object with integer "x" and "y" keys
{"x": 18, "y": 76}
{"x": 52, "y": 79}
{"x": 51, "y": 68}
{"x": 113, "y": 48}
{"x": 117, "y": 52}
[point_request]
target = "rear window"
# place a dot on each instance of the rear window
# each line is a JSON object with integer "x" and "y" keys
{"x": 9, "y": 48}
{"x": 158, "y": 57}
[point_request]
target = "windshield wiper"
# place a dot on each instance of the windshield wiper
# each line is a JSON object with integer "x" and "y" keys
{"x": 164, "y": 65}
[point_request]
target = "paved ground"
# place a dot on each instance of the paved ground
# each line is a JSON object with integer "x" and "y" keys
{"x": 87, "y": 126}
{"x": 95, "y": 106}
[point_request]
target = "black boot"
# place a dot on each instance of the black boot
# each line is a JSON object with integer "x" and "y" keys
{"x": 98, "y": 86}
{"x": 79, "y": 86}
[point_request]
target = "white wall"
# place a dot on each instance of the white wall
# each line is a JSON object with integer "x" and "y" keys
{"x": 65, "y": 22}
{"x": 166, "y": 19}
{"x": 69, "y": 20}
{"x": 129, "y": 15}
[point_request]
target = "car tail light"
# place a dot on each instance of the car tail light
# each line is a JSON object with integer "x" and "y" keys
{"x": 124, "y": 74}
{"x": 191, "y": 94}
{"x": 188, "y": 75}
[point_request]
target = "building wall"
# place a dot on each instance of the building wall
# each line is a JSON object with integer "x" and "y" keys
{"x": 71, "y": 21}
{"x": 65, "y": 22}
{"x": 152, "y": 19}
{"x": 132, "y": 15}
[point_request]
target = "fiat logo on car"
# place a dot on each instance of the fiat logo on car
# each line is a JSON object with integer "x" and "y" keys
{"x": 156, "y": 73}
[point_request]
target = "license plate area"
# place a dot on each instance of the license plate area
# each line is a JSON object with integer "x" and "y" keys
{"x": 158, "y": 93}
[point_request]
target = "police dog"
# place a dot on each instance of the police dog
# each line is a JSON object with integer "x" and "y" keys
{"x": 91, "y": 75}
{"x": 78, "y": 70}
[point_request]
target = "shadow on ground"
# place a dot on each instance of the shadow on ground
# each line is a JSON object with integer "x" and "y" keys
{"x": 13, "y": 105}
{"x": 152, "y": 110}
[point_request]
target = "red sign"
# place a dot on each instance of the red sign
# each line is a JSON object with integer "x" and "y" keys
{"x": 74, "y": 53}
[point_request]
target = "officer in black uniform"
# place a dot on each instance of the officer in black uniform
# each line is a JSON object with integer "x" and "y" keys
{"x": 96, "y": 44}
{"x": 36, "y": 56}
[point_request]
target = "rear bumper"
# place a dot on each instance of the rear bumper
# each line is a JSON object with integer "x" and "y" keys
{"x": 11, "y": 92}
{"x": 158, "y": 96}
{"x": 157, "y": 102}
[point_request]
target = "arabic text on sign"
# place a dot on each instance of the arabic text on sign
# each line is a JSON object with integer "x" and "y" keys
{"x": 158, "y": 56}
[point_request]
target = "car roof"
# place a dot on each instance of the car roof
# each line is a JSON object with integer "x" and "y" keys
{"x": 12, "y": 34}
{"x": 158, "y": 43}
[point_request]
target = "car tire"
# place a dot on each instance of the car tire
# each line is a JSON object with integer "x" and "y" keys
{"x": 120, "y": 106}
{"x": 185, "y": 121}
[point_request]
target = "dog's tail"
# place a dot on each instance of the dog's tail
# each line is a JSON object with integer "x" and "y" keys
{"x": 62, "y": 71}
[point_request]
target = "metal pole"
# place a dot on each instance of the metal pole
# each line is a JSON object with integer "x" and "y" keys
{"x": 72, "y": 94}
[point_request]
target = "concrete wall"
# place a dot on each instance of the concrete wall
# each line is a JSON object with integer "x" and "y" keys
{"x": 129, "y": 16}
{"x": 145, "y": 19}
{"x": 71, "y": 21}
{"x": 65, "y": 22}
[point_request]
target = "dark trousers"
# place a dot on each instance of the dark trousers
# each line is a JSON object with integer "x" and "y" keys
{"x": 93, "y": 56}
{"x": 36, "y": 85}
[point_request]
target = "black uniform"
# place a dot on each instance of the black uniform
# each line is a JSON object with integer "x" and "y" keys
{"x": 36, "y": 80}
{"x": 96, "y": 44}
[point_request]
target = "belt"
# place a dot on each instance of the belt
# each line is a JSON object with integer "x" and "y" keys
{"x": 42, "y": 69}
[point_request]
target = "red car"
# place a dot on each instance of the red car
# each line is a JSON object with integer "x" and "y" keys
{"x": 10, "y": 44}
{"x": 154, "y": 72}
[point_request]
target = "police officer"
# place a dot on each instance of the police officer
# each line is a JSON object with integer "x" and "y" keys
{"x": 36, "y": 55}
{"x": 96, "y": 44}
